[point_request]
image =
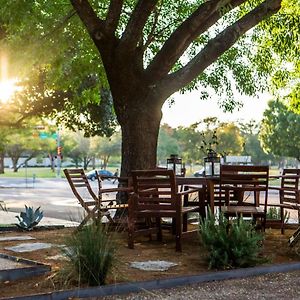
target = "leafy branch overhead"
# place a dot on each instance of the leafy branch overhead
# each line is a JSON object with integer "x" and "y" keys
{"x": 144, "y": 51}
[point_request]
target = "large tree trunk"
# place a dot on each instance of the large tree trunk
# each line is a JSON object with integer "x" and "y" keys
{"x": 1, "y": 162}
{"x": 139, "y": 138}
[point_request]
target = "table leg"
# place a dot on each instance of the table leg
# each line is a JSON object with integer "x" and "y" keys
{"x": 211, "y": 195}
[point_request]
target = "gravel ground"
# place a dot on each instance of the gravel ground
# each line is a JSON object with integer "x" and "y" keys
{"x": 271, "y": 286}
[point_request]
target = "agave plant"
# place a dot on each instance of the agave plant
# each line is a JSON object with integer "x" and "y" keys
{"x": 29, "y": 218}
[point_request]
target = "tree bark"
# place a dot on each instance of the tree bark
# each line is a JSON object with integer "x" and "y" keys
{"x": 1, "y": 162}
{"x": 140, "y": 128}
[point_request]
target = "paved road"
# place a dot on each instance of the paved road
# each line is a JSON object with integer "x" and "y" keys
{"x": 53, "y": 195}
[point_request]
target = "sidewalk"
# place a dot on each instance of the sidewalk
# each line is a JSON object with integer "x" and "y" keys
{"x": 9, "y": 218}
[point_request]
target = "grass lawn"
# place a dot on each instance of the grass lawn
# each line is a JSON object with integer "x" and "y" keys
{"x": 37, "y": 172}
{"x": 46, "y": 172}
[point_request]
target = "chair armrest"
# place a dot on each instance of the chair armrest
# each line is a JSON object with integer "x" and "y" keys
{"x": 119, "y": 189}
{"x": 288, "y": 189}
{"x": 244, "y": 188}
{"x": 276, "y": 188}
{"x": 192, "y": 190}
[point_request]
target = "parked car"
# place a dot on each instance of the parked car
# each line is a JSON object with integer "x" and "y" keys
{"x": 92, "y": 174}
{"x": 199, "y": 173}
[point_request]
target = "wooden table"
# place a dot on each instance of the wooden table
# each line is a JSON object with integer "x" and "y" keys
{"x": 208, "y": 181}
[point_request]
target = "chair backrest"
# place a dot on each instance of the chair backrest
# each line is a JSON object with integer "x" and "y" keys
{"x": 290, "y": 186}
{"x": 241, "y": 175}
{"x": 81, "y": 187}
{"x": 155, "y": 189}
{"x": 246, "y": 178}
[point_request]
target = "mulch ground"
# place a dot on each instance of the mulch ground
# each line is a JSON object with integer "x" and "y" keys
{"x": 192, "y": 260}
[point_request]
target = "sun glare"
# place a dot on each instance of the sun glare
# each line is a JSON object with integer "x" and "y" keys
{"x": 7, "y": 89}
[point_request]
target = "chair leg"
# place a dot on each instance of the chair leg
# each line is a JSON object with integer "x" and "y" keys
{"x": 131, "y": 227}
{"x": 173, "y": 225}
{"x": 84, "y": 221}
{"x": 202, "y": 212}
{"x": 185, "y": 222}
{"x": 282, "y": 219}
{"x": 159, "y": 230}
{"x": 178, "y": 233}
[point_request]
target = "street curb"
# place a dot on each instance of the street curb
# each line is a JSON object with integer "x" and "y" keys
{"x": 125, "y": 288}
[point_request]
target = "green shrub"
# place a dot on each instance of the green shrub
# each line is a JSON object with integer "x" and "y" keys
{"x": 230, "y": 245}
{"x": 91, "y": 255}
{"x": 273, "y": 213}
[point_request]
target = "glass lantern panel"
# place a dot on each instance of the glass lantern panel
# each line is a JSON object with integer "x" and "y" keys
{"x": 208, "y": 168}
{"x": 217, "y": 167}
{"x": 178, "y": 169}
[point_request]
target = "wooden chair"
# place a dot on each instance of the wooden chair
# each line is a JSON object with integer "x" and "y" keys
{"x": 109, "y": 199}
{"x": 289, "y": 194}
{"x": 85, "y": 195}
{"x": 241, "y": 184}
{"x": 95, "y": 206}
{"x": 155, "y": 196}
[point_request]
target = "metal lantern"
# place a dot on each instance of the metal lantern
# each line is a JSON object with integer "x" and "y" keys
{"x": 212, "y": 164}
{"x": 175, "y": 163}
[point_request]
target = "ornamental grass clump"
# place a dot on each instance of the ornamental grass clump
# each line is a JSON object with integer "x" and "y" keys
{"x": 91, "y": 255}
{"x": 230, "y": 245}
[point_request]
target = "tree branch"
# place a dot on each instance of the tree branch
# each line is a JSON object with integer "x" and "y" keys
{"x": 94, "y": 25}
{"x": 218, "y": 45}
{"x": 134, "y": 29}
{"x": 151, "y": 34}
{"x": 203, "y": 18}
{"x": 113, "y": 15}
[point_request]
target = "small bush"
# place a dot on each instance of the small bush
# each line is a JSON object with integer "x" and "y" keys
{"x": 91, "y": 254}
{"x": 229, "y": 246}
{"x": 273, "y": 213}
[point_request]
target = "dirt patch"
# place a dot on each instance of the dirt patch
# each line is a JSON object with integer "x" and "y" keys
{"x": 191, "y": 261}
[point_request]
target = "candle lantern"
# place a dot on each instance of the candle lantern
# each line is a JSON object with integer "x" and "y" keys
{"x": 175, "y": 163}
{"x": 212, "y": 164}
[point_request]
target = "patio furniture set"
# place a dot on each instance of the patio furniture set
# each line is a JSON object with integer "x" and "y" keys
{"x": 154, "y": 195}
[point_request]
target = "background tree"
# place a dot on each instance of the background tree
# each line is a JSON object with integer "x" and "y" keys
{"x": 23, "y": 143}
{"x": 78, "y": 148}
{"x": 105, "y": 148}
{"x": 167, "y": 144}
{"x": 252, "y": 145}
{"x": 279, "y": 131}
{"x": 230, "y": 140}
{"x": 147, "y": 54}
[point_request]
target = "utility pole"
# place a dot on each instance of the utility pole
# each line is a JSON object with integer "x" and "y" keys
{"x": 58, "y": 160}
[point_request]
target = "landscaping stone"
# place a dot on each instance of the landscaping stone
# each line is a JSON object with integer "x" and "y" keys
{"x": 7, "y": 264}
{"x": 16, "y": 238}
{"x": 153, "y": 265}
{"x": 29, "y": 247}
{"x": 57, "y": 257}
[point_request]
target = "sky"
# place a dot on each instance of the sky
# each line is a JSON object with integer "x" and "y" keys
{"x": 188, "y": 109}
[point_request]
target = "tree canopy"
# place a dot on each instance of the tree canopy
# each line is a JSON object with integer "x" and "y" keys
{"x": 280, "y": 130}
{"x": 144, "y": 51}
